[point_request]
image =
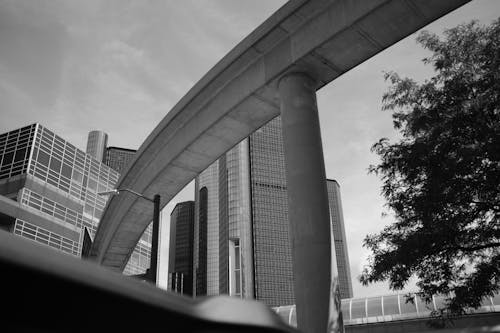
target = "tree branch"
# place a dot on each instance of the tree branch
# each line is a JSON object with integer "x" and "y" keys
{"x": 478, "y": 247}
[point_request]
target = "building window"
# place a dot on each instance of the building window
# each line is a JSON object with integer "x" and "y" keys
{"x": 201, "y": 270}
{"x": 235, "y": 268}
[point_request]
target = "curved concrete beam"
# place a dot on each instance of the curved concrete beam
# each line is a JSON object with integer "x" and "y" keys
{"x": 324, "y": 38}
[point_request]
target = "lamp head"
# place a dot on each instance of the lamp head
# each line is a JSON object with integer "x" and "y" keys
{"x": 112, "y": 192}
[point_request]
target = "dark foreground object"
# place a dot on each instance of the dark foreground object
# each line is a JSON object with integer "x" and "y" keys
{"x": 47, "y": 291}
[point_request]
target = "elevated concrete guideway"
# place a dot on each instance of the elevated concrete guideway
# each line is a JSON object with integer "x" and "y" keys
{"x": 321, "y": 38}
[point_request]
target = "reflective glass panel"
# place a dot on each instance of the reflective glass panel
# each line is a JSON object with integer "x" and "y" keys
{"x": 407, "y": 306}
{"x": 374, "y": 306}
{"x": 345, "y": 310}
{"x": 424, "y": 306}
{"x": 358, "y": 309}
{"x": 391, "y": 305}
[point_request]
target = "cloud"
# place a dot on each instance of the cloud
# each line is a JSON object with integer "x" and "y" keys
{"x": 32, "y": 53}
{"x": 121, "y": 66}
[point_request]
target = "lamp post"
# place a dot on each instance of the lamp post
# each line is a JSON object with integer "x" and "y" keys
{"x": 152, "y": 276}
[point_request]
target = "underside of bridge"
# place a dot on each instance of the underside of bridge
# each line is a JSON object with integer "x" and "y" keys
{"x": 239, "y": 94}
{"x": 309, "y": 43}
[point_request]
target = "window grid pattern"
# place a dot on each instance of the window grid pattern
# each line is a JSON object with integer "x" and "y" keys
{"x": 118, "y": 159}
{"x": 70, "y": 173}
{"x": 272, "y": 249}
{"x": 224, "y": 251}
{"x": 235, "y": 268}
{"x": 235, "y": 193}
{"x": 69, "y": 169}
{"x": 387, "y": 308}
{"x": 140, "y": 259}
{"x": 61, "y": 165}
{"x": 96, "y": 145}
{"x": 339, "y": 237}
{"x": 206, "y": 235}
{"x": 51, "y": 208}
{"x": 273, "y": 260}
{"x": 46, "y": 237}
{"x": 253, "y": 175}
{"x": 182, "y": 221}
{"x": 15, "y": 147}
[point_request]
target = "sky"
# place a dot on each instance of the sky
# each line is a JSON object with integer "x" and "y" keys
{"x": 120, "y": 66}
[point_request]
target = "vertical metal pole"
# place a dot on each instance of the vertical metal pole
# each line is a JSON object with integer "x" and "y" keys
{"x": 154, "y": 240}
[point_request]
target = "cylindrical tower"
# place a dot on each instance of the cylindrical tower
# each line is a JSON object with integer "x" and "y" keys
{"x": 96, "y": 145}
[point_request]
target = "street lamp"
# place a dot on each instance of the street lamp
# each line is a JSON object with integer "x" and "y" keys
{"x": 156, "y": 226}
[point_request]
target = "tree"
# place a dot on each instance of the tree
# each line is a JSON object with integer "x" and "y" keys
{"x": 442, "y": 179}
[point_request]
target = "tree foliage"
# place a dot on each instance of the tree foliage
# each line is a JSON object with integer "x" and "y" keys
{"x": 442, "y": 179}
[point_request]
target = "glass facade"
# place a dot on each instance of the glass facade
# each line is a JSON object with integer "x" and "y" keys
{"x": 206, "y": 232}
{"x": 15, "y": 148}
{"x": 140, "y": 259}
{"x": 60, "y": 164}
{"x": 118, "y": 159}
{"x": 59, "y": 184}
{"x": 238, "y": 217}
{"x": 201, "y": 268}
{"x": 96, "y": 145}
{"x": 181, "y": 245}
{"x": 272, "y": 246}
{"x": 44, "y": 236}
{"x": 366, "y": 310}
{"x": 70, "y": 218}
{"x": 250, "y": 192}
{"x": 228, "y": 212}
{"x": 339, "y": 237}
{"x": 234, "y": 268}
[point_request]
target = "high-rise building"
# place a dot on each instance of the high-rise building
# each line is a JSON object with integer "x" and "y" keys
{"x": 96, "y": 145}
{"x": 206, "y": 232}
{"x": 118, "y": 158}
{"x": 339, "y": 238}
{"x": 57, "y": 182}
{"x": 242, "y": 244}
{"x": 272, "y": 245}
{"x": 181, "y": 247}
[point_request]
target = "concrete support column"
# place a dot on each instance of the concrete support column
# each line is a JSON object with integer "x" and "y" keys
{"x": 309, "y": 214}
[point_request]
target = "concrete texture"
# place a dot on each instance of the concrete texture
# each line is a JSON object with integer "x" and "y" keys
{"x": 323, "y": 38}
{"x": 309, "y": 215}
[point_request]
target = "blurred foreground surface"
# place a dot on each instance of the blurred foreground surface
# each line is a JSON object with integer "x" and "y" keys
{"x": 48, "y": 291}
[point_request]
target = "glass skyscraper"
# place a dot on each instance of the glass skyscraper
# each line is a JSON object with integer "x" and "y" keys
{"x": 96, "y": 144}
{"x": 272, "y": 246}
{"x": 181, "y": 247}
{"x": 241, "y": 226}
{"x": 118, "y": 158}
{"x": 340, "y": 243}
{"x": 206, "y": 232}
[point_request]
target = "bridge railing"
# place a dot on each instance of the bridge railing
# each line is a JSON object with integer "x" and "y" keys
{"x": 396, "y": 307}
{"x": 366, "y": 310}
